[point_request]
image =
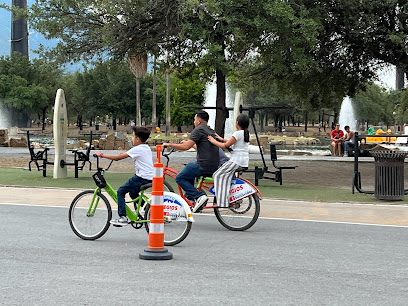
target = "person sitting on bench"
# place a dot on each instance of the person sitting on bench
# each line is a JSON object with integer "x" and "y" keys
{"x": 336, "y": 140}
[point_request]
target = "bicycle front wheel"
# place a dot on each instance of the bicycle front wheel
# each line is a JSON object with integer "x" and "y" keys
{"x": 240, "y": 215}
{"x": 89, "y": 216}
{"x": 176, "y": 225}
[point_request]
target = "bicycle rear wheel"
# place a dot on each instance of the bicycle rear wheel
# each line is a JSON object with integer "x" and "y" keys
{"x": 240, "y": 215}
{"x": 148, "y": 191}
{"x": 148, "y": 188}
{"x": 89, "y": 217}
{"x": 176, "y": 225}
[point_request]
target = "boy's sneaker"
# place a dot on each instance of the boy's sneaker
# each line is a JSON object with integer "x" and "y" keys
{"x": 201, "y": 201}
{"x": 122, "y": 221}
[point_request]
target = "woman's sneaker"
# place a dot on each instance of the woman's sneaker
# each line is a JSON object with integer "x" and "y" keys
{"x": 122, "y": 221}
{"x": 201, "y": 201}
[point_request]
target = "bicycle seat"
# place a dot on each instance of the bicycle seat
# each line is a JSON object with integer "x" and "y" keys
{"x": 145, "y": 186}
{"x": 241, "y": 169}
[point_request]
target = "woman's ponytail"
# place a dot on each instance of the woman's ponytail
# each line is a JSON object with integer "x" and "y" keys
{"x": 246, "y": 135}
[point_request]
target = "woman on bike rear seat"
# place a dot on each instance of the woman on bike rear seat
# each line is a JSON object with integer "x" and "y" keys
{"x": 143, "y": 159}
{"x": 239, "y": 143}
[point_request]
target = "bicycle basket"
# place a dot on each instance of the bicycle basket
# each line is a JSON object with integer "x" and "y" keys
{"x": 99, "y": 179}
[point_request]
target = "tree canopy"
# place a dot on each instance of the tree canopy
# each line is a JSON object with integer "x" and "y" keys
{"x": 28, "y": 86}
{"x": 315, "y": 52}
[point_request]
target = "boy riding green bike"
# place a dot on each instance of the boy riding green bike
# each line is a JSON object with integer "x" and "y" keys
{"x": 143, "y": 159}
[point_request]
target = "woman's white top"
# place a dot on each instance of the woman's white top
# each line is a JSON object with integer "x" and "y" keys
{"x": 240, "y": 154}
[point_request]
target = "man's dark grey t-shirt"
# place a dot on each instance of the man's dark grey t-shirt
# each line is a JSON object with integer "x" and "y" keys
{"x": 207, "y": 153}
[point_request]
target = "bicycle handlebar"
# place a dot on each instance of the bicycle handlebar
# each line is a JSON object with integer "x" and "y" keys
{"x": 166, "y": 155}
{"x": 97, "y": 163}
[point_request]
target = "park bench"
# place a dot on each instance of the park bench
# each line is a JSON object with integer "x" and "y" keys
{"x": 81, "y": 158}
{"x": 40, "y": 158}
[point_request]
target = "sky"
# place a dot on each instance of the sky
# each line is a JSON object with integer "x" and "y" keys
{"x": 386, "y": 75}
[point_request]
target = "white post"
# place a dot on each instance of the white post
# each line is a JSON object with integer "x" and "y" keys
{"x": 60, "y": 129}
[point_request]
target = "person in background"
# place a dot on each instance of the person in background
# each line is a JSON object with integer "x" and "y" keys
{"x": 348, "y": 140}
{"x": 336, "y": 140}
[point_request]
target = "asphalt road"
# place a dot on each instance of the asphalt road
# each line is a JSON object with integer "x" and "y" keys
{"x": 277, "y": 262}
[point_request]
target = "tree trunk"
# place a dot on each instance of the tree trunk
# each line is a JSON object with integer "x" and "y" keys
{"x": 334, "y": 120}
{"x": 276, "y": 120}
{"x": 114, "y": 124}
{"x": 168, "y": 117}
{"x": 261, "y": 122}
{"x": 306, "y": 121}
{"x": 43, "y": 118}
{"x": 138, "y": 120}
{"x": 399, "y": 78}
{"x": 220, "y": 102}
{"x": 154, "y": 107}
{"x": 80, "y": 122}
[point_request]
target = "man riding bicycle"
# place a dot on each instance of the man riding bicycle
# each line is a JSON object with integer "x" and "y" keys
{"x": 207, "y": 159}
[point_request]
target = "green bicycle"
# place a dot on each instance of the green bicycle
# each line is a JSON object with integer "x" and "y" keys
{"x": 90, "y": 212}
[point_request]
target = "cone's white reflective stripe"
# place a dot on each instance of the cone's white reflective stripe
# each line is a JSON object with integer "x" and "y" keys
{"x": 158, "y": 171}
{"x": 156, "y": 228}
{"x": 157, "y": 200}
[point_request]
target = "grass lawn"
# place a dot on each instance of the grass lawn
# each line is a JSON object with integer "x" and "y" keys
{"x": 269, "y": 189}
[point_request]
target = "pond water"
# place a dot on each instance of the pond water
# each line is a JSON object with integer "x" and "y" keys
{"x": 50, "y": 140}
{"x": 323, "y": 148}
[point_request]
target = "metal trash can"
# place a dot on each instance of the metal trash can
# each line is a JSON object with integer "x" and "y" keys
{"x": 389, "y": 174}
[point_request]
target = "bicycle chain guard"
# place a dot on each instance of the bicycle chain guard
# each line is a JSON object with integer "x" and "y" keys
{"x": 138, "y": 225}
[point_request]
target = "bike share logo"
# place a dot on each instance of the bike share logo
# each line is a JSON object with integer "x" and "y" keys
{"x": 239, "y": 189}
{"x": 172, "y": 208}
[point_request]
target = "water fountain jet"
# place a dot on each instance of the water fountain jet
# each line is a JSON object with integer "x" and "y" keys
{"x": 347, "y": 116}
{"x": 4, "y": 122}
{"x": 210, "y": 100}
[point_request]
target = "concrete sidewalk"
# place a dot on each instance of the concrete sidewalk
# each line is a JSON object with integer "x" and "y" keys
{"x": 270, "y": 208}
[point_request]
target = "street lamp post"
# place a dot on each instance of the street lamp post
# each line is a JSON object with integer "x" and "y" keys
{"x": 395, "y": 122}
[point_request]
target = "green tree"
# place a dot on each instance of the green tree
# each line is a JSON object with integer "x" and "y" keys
{"x": 28, "y": 87}
{"x": 214, "y": 32}
{"x": 49, "y": 77}
{"x": 373, "y": 105}
{"x": 107, "y": 88}
{"x": 299, "y": 52}
{"x": 217, "y": 35}
{"x": 372, "y": 31}
{"x": 187, "y": 89}
{"x": 92, "y": 29}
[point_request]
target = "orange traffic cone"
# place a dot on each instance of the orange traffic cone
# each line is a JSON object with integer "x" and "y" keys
{"x": 156, "y": 250}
